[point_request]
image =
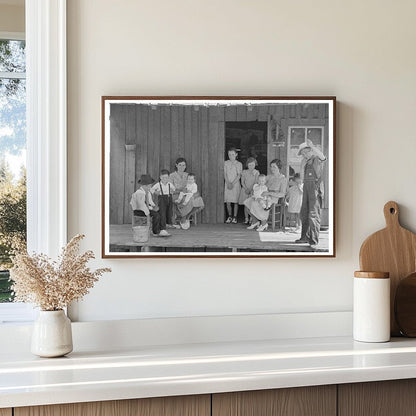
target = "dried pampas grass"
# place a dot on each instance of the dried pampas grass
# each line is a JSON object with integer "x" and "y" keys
{"x": 53, "y": 285}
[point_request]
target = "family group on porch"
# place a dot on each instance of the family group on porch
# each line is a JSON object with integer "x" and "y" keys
{"x": 258, "y": 193}
{"x": 170, "y": 201}
{"x": 177, "y": 196}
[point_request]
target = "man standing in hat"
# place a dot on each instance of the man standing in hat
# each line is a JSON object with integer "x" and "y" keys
{"x": 313, "y": 191}
{"x": 143, "y": 205}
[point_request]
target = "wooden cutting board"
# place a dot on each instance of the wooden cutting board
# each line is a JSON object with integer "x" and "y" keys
{"x": 405, "y": 306}
{"x": 393, "y": 250}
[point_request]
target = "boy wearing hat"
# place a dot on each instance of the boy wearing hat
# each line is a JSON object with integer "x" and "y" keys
{"x": 143, "y": 205}
{"x": 311, "y": 175}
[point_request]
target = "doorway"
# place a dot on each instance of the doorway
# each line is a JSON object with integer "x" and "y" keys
{"x": 250, "y": 140}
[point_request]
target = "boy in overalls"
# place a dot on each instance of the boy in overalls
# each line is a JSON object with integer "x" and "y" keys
{"x": 311, "y": 174}
{"x": 163, "y": 190}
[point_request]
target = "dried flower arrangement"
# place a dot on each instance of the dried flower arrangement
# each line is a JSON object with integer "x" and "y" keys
{"x": 53, "y": 285}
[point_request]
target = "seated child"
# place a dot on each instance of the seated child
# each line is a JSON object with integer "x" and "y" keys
{"x": 163, "y": 190}
{"x": 258, "y": 190}
{"x": 191, "y": 189}
{"x": 143, "y": 205}
{"x": 294, "y": 197}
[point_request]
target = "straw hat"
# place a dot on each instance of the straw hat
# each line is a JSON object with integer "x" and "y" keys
{"x": 302, "y": 147}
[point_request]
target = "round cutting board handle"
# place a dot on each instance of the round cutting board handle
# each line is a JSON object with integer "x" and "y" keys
{"x": 391, "y": 214}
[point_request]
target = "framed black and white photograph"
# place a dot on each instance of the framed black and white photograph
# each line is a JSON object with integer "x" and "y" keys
{"x": 218, "y": 176}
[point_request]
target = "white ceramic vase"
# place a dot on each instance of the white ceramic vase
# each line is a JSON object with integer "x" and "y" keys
{"x": 52, "y": 334}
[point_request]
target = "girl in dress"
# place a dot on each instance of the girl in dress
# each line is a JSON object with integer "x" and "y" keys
{"x": 232, "y": 174}
{"x": 294, "y": 202}
{"x": 249, "y": 177}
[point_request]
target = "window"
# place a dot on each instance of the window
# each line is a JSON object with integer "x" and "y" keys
{"x": 12, "y": 154}
{"x": 12, "y": 166}
{"x": 297, "y": 136}
{"x": 46, "y": 134}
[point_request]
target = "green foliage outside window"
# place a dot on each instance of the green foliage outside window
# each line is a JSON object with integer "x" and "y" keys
{"x": 12, "y": 223}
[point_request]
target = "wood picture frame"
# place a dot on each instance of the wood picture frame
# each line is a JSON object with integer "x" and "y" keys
{"x": 291, "y": 139}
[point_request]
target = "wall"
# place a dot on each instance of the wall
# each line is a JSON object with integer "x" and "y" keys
{"x": 12, "y": 18}
{"x": 362, "y": 52}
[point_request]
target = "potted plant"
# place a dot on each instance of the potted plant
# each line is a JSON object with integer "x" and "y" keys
{"x": 52, "y": 286}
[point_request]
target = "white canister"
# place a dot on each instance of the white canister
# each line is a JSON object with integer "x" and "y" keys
{"x": 371, "y": 322}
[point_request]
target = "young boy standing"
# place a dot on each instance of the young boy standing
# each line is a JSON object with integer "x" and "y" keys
{"x": 163, "y": 190}
{"x": 143, "y": 205}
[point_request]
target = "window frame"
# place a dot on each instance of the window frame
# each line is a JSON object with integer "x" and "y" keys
{"x": 46, "y": 137}
{"x": 305, "y": 127}
{"x": 12, "y": 36}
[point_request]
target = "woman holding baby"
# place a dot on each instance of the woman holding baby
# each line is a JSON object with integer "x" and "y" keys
{"x": 187, "y": 199}
{"x": 277, "y": 185}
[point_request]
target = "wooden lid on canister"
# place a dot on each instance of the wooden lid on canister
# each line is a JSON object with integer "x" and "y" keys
{"x": 372, "y": 275}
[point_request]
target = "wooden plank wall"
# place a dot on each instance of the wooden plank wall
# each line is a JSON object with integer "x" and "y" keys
{"x": 146, "y": 139}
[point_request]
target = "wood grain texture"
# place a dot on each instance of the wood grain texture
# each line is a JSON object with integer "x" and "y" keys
{"x": 207, "y": 236}
{"x": 196, "y": 153}
{"x": 317, "y": 401}
{"x": 383, "y": 398}
{"x": 204, "y": 159}
{"x": 130, "y": 160}
{"x": 163, "y": 406}
{"x": 405, "y": 306}
{"x": 142, "y": 127}
{"x": 174, "y": 146}
{"x": 393, "y": 250}
{"x": 371, "y": 275}
{"x": 166, "y": 140}
{"x": 181, "y": 131}
{"x": 220, "y": 173}
{"x": 211, "y": 202}
{"x": 5, "y": 412}
{"x": 117, "y": 162}
{"x": 188, "y": 138}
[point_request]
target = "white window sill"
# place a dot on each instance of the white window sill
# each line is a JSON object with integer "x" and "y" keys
{"x": 16, "y": 313}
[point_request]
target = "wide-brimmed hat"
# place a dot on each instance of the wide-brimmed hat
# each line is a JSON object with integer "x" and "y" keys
{"x": 146, "y": 180}
{"x": 302, "y": 147}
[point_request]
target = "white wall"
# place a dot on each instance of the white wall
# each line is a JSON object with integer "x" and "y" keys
{"x": 361, "y": 51}
{"x": 12, "y": 18}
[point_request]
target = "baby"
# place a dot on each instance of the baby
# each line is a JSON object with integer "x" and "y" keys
{"x": 191, "y": 189}
{"x": 258, "y": 190}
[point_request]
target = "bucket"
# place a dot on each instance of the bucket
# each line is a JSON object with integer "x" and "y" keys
{"x": 141, "y": 233}
{"x": 141, "y": 229}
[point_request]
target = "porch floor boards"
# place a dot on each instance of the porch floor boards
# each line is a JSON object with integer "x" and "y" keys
{"x": 213, "y": 237}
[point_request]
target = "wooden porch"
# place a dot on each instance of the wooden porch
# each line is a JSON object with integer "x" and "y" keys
{"x": 213, "y": 238}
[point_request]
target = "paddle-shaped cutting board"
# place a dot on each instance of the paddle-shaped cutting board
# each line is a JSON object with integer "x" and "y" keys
{"x": 393, "y": 250}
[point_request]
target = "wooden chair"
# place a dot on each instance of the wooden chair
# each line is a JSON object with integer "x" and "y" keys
{"x": 277, "y": 215}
